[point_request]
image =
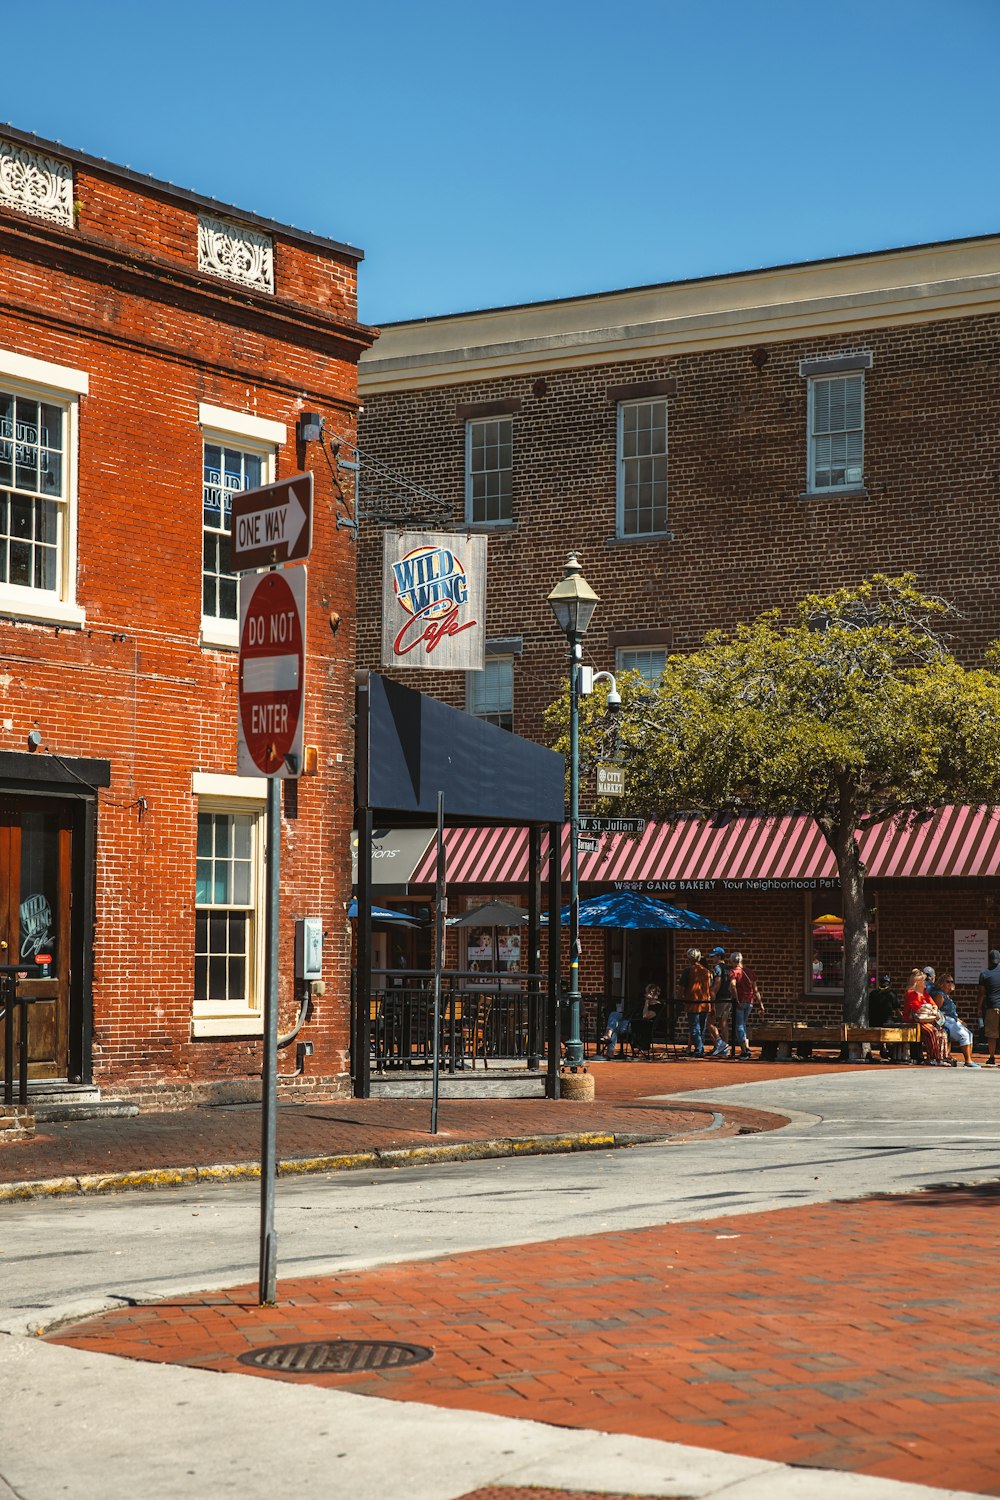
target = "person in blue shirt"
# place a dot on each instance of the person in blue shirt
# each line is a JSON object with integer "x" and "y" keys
{"x": 959, "y": 1035}
{"x": 989, "y": 1005}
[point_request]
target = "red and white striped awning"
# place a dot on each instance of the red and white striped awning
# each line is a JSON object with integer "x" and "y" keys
{"x": 952, "y": 842}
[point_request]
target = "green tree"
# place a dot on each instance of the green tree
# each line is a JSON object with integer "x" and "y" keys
{"x": 852, "y": 711}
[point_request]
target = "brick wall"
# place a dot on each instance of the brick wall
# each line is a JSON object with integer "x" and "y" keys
{"x": 745, "y": 539}
{"x": 120, "y": 298}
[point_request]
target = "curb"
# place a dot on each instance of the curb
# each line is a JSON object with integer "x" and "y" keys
{"x": 402, "y": 1156}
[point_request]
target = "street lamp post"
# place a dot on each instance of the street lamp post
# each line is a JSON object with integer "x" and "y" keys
{"x": 573, "y": 602}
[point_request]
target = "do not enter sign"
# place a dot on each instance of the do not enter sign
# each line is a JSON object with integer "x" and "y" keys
{"x": 272, "y": 673}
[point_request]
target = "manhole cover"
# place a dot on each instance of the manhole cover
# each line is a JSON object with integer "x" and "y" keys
{"x": 335, "y": 1357}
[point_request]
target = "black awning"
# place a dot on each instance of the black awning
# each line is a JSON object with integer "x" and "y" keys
{"x": 410, "y": 747}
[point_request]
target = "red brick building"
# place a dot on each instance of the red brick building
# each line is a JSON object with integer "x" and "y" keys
{"x": 156, "y": 351}
{"x": 712, "y": 449}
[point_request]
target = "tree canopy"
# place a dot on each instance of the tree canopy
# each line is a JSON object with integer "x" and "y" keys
{"x": 852, "y": 710}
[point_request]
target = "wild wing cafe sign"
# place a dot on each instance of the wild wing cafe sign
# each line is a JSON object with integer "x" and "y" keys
{"x": 434, "y": 601}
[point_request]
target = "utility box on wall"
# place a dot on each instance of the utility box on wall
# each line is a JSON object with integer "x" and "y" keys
{"x": 309, "y": 948}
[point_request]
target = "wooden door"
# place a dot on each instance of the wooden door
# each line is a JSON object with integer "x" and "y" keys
{"x": 36, "y": 862}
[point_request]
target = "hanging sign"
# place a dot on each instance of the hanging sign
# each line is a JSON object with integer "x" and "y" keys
{"x": 434, "y": 601}
{"x": 610, "y": 781}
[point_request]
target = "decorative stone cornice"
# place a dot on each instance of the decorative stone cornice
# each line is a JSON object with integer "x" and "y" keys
{"x": 35, "y": 184}
{"x": 236, "y": 253}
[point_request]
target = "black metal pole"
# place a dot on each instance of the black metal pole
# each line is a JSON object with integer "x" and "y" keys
{"x": 534, "y": 964}
{"x": 269, "y": 1077}
{"x": 440, "y": 907}
{"x": 7, "y": 992}
{"x": 555, "y": 947}
{"x": 574, "y": 1046}
{"x": 360, "y": 1048}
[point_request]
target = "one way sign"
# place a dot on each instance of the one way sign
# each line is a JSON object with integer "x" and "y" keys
{"x": 272, "y": 524}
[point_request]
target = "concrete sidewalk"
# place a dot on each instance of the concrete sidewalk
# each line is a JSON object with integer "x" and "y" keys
{"x": 223, "y": 1142}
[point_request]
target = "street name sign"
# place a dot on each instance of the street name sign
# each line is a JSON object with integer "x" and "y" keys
{"x": 590, "y": 824}
{"x": 588, "y": 846}
{"x": 272, "y": 524}
{"x": 610, "y": 781}
{"x": 272, "y": 673}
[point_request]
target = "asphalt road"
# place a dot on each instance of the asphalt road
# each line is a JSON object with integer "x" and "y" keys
{"x": 852, "y": 1134}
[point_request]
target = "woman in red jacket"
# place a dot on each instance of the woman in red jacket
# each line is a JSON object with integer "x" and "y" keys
{"x": 919, "y": 1009}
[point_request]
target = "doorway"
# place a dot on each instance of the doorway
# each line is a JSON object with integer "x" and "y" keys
{"x": 37, "y": 841}
{"x": 646, "y": 956}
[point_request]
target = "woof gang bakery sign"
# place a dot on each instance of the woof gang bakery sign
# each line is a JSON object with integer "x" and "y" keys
{"x": 434, "y": 601}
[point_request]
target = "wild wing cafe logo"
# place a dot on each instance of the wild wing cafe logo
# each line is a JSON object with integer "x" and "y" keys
{"x": 429, "y": 583}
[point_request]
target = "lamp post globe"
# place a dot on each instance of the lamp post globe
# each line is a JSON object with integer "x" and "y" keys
{"x": 573, "y": 602}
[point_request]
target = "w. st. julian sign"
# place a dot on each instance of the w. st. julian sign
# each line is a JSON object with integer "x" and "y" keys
{"x": 434, "y": 601}
{"x": 272, "y": 673}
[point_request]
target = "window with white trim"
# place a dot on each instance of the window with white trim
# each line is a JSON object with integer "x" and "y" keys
{"x": 226, "y": 469}
{"x": 489, "y": 469}
{"x": 38, "y": 443}
{"x": 649, "y": 661}
{"x": 490, "y": 693}
{"x": 642, "y": 468}
{"x": 238, "y": 454}
{"x": 836, "y": 431}
{"x": 228, "y": 957}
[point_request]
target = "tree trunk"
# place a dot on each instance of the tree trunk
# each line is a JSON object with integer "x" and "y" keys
{"x": 852, "y": 889}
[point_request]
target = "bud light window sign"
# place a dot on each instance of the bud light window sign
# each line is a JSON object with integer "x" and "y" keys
{"x": 434, "y": 601}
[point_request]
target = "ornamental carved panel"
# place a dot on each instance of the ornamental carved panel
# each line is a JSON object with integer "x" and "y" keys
{"x": 36, "y": 184}
{"x": 236, "y": 253}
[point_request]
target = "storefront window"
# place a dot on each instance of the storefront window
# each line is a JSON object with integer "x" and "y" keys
{"x": 480, "y": 954}
{"x": 825, "y": 958}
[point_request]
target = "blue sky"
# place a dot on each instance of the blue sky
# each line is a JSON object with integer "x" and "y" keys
{"x": 484, "y": 154}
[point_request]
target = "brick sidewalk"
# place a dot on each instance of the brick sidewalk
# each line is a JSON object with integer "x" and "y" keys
{"x": 208, "y": 1136}
{"x": 855, "y": 1336}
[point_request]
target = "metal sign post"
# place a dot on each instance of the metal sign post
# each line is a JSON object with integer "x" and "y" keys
{"x": 269, "y": 1073}
{"x": 271, "y": 525}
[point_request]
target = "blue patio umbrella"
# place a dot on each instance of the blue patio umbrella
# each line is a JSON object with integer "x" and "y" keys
{"x": 633, "y": 909}
{"x": 383, "y": 914}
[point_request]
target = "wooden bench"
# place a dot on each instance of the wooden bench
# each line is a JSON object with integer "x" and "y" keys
{"x": 782, "y": 1039}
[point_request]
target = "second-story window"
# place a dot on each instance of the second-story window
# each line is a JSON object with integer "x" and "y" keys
{"x": 650, "y": 662}
{"x": 491, "y": 692}
{"x": 642, "y": 468}
{"x": 238, "y": 454}
{"x": 836, "y": 431}
{"x": 488, "y": 470}
{"x": 226, "y": 469}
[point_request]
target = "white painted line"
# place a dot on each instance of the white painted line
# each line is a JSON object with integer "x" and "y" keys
{"x": 270, "y": 674}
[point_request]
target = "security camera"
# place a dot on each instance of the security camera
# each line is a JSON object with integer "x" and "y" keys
{"x": 614, "y": 698}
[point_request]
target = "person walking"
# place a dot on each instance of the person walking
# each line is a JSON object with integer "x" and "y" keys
{"x": 722, "y": 999}
{"x": 696, "y": 994}
{"x": 989, "y": 1005}
{"x": 745, "y": 992}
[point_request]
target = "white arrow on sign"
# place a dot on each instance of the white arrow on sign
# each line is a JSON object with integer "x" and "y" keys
{"x": 271, "y": 527}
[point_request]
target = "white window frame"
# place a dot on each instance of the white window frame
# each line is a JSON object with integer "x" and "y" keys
{"x": 470, "y": 517}
{"x": 620, "y": 467}
{"x": 62, "y": 386}
{"x": 496, "y": 659}
{"x": 622, "y": 663}
{"x": 229, "y": 795}
{"x": 851, "y": 485}
{"x": 249, "y": 434}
